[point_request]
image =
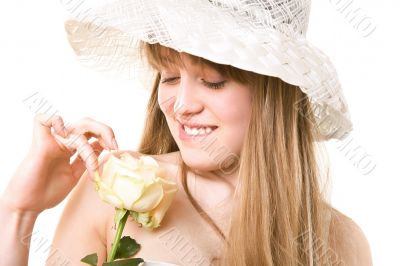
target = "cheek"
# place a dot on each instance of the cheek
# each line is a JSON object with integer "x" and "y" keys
{"x": 233, "y": 134}
{"x": 166, "y": 100}
{"x": 235, "y": 109}
{"x": 234, "y": 114}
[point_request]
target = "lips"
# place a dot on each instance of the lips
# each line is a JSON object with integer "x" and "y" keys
{"x": 196, "y": 125}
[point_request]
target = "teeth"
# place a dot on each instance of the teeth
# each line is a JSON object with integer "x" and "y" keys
{"x": 197, "y": 131}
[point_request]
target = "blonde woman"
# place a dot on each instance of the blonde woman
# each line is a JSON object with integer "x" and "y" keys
{"x": 235, "y": 121}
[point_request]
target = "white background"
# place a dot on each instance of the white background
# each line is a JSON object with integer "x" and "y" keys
{"x": 35, "y": 58}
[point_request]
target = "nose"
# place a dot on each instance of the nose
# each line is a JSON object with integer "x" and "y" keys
{"x": 187, "y": 100}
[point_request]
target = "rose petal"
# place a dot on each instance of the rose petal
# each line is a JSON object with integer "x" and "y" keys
{"x": 127, "y": 189}
{"x": 158, "y": 213}
{"x": 131, "y": 165}
{"x": 113, "y": 200}
{"x": 148, "y": 161}
{"x": 151, "y": 197}
{"x": 109, "y": 170}
{"x": 167, "y": 185}
{"x": 107, "y": 195}
{"x": 129, "y": 159}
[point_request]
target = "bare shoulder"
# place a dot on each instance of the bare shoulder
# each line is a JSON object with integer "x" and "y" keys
{"x": 348, "y": 240}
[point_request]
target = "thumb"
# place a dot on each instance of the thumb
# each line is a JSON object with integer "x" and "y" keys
{"x": 44, "y": 123}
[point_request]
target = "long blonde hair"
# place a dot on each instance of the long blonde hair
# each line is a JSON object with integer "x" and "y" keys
{"x": 279, "y": 216}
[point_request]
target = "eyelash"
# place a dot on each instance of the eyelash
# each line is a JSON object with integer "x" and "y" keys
{"x": 210, "y": 85}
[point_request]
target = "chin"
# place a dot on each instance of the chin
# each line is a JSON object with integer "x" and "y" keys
{"x": 198, "y": 160}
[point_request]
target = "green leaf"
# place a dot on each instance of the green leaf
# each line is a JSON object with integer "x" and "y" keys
{"x": 119, "y": 214}
{"x": 127, "y": 262}
{"x": 90, "y": 259}
{"x": 127, "y": 247}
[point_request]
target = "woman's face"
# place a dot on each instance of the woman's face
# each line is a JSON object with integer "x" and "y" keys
{"x": 215, "y": 112}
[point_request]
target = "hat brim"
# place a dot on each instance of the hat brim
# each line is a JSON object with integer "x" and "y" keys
{"x": 108, "y": 40}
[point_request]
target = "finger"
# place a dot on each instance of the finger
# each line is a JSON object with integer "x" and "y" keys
{"x": 78, "y": 165}
{"x": 98, "y": 129}
{"x": 88, "y": 155}
{"x": 84, "y": 150}
{"x": 98, "y": 138}
{"x": 73, "y": 141}
{"x": 64, "y": 144}
{"x": 89, "y": 136}
{"x": 45, "y": 122}
{"x": 97, "y": 148}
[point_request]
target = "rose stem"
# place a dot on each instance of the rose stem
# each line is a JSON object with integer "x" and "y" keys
{"x": 120, "y": 228}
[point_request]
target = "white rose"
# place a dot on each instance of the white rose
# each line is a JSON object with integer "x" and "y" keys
{"x": 136, "y": 185}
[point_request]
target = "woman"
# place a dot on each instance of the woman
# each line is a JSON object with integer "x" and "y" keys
{"x": 242, "y": 146}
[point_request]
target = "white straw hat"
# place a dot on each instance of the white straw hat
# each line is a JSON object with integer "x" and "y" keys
{"x": 262, "y": 36}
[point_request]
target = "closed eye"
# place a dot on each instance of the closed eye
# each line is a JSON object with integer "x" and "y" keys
{"x": 211, "y": 85}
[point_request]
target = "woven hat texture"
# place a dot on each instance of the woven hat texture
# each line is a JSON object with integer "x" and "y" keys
{"x": 264, "y": 36}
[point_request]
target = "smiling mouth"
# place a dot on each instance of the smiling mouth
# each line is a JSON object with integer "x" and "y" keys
{"x": 193, "y": 131}
{"x": 198, "y": 131}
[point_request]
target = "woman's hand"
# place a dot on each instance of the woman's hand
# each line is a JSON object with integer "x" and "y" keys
{"x": 46, "y": 175}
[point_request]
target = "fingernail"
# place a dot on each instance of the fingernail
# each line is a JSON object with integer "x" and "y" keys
{"x": 114, "y": 142}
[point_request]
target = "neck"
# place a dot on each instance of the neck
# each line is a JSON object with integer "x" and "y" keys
{"x": 219, "y": 175}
